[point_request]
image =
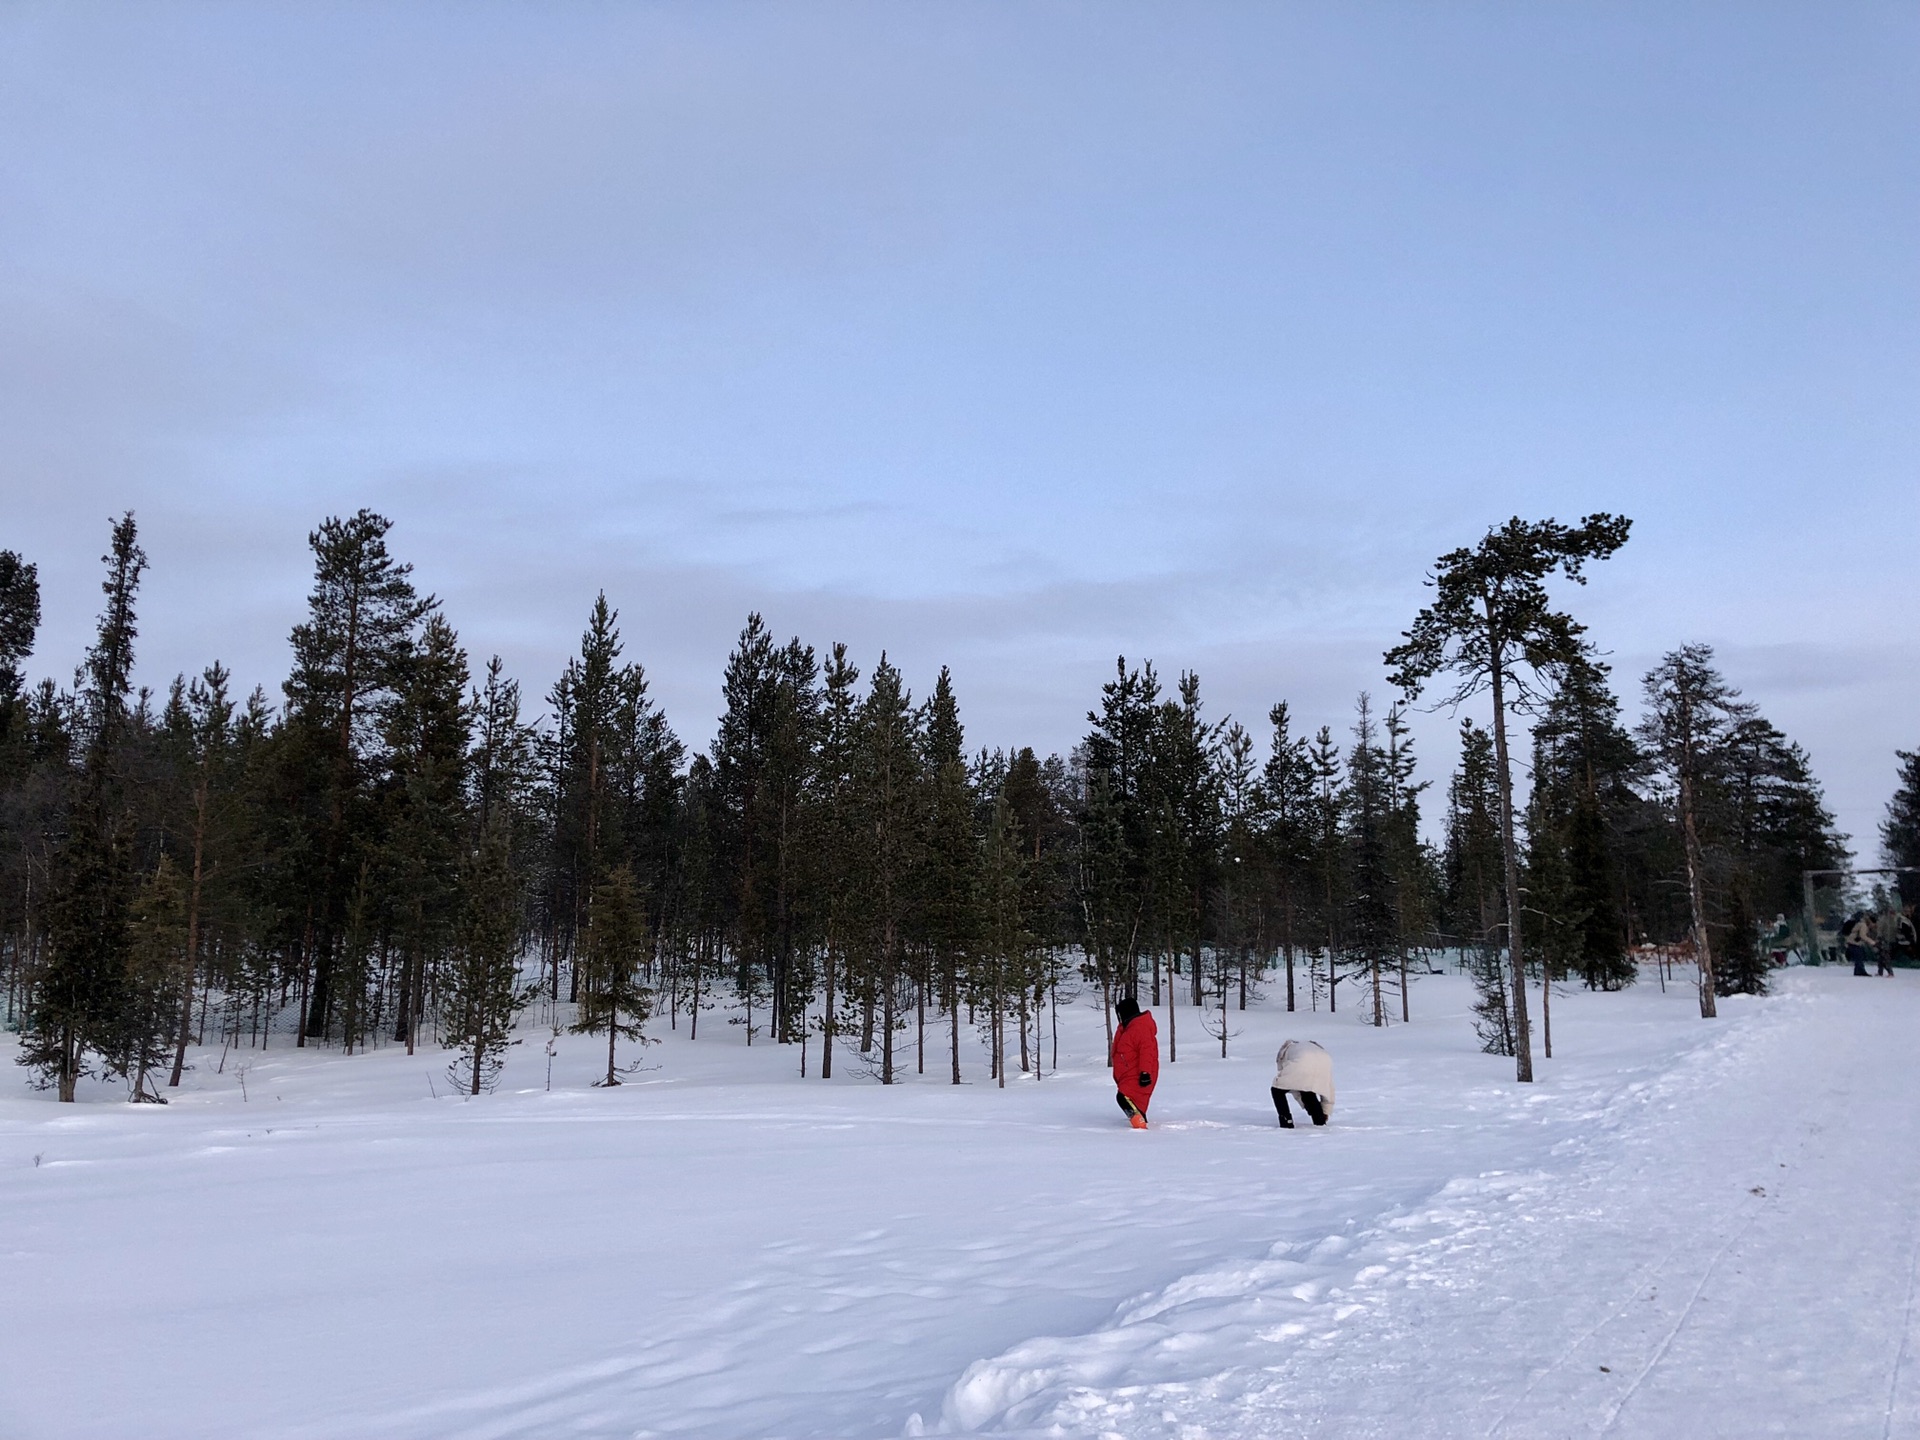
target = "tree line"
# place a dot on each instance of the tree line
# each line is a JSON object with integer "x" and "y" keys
{"x": 395, "y": 851}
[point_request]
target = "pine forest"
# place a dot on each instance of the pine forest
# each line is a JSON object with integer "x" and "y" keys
{"x": 401, "y": 847}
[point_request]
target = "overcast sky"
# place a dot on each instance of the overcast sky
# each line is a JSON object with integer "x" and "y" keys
{"x": 1011, "y": 337}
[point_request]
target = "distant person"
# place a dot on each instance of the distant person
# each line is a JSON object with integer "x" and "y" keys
{"x": 1779, "y": 941}
{"x": 1136, "y": 1060}
{"x": 1859, "y": 940}
{"x": 1304, "y": 1069}
{"x": 1890, "y": 922}
{"x": 1904, "y": 946}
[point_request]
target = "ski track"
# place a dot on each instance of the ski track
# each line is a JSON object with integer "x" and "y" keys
{"x": 725, "y": 1251}
{"x": 1723, "y": 1240}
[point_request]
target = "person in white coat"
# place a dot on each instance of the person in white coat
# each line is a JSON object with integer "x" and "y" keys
{"x": 1303, "y": 1068}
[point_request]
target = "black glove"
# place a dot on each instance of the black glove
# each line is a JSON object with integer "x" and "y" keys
{"x": 1146, "y": 1080}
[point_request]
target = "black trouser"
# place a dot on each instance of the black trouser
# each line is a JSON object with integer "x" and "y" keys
{"x": 1858, "y": 954}
{"x": 1308, "y": 1100}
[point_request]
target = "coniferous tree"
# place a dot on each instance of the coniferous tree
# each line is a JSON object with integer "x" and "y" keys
{"x": 1116, "y": 871}
{"x": 427, "y": 825}
{"x": 80, "y": 995}
{"x": 1772, "y": 827}
{"x": 1900, "y": 831}
{"x": 1370, "y": 929}
{"x": 612, "y": 997}
{"x": 1472, "y": 883}
{"x": 890, "y": 789}
{"x": 835, "y": 845}
{"x": 999, "y": 968}
{"x": 483, "y": 989}
{"x": 147, "y": 1010}
{"x": 19, "y": 623}
{"x": 204, "y": 745}
{"x": 1330, "y": 798}
{"x": 23, "y": 792}
{"x": 1584, "y": 803}
{"x": 1690, "y": 711}
{"x": 1410, "y": 862}
{"x": 351, "y": 661}
{"x": 1491, "y": 625}
{"x": 949, "y": 904}
{"x": 1289, "y": 799}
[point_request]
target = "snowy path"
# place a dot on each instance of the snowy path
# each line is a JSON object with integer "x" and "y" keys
{"x": 729, "y": 1251}
{"x": 1728, "y": 1251}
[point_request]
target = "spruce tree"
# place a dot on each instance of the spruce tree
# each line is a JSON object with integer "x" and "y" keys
{"x": 19, "y": 623}
{"x": 1287, "y": 783}
{"x": 835, "y": 847}
{"x": 483, "y": 989}
{"x": 1900, "y": 831}
{"x": 1327, "y": 859}
{"x": 1370, "y": 929}
{"x": 891, "y": 790}
{"x": 350, "y": 665}
{"x": 1690, "y": 711}
{"x": 204, "y": 746}
{"x": 1772, "y": 826}
{"x": 612, "y": 997}
{"x": 1472, "y": 888}
{"x": 948, "y": 904}
{"x": 1585, "y": 769}
{"x": 427, "y": 825}
{"x": 82, "y": 992}
{"x": 146, "y": 1015}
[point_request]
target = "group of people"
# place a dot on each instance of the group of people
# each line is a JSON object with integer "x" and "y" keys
{"x": 1886, "y": 937}
{"x": 1302, "y": 1069}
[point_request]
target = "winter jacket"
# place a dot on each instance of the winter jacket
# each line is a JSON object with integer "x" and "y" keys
{"x": 1136, "y": 1059}
{"x": 1304, "y": 1066}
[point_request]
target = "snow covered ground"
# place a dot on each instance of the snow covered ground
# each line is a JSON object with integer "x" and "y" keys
{"x": 1686, "y": 1228}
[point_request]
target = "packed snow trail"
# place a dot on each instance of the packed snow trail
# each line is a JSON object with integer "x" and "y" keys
{"x": 726, "y": 1250}
{"x": 1730, "y": 1250}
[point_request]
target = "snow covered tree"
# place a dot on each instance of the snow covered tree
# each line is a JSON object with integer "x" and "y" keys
{"x": 1492, "y": 626}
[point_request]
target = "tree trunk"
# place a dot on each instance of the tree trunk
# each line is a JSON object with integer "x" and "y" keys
{"x": 826, "y": 1019}
{"x": 1696, "y": 895}
{"x": 1522, "y": 1031}
{"x": 193, "y": 933}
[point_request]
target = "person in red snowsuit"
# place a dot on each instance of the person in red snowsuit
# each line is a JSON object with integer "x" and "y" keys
{"x": 1136, "y": 1060}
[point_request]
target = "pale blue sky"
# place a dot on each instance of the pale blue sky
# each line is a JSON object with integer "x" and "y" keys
{"x": 1009, "y": 336}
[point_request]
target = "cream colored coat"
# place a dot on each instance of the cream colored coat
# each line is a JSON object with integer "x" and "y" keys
{"x": 1303, "y": 1065}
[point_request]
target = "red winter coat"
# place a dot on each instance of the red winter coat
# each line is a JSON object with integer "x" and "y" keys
{"x": 1136, "y": 1052}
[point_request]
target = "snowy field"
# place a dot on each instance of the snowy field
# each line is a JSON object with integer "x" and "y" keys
{"x": 1686, "y": 1229}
